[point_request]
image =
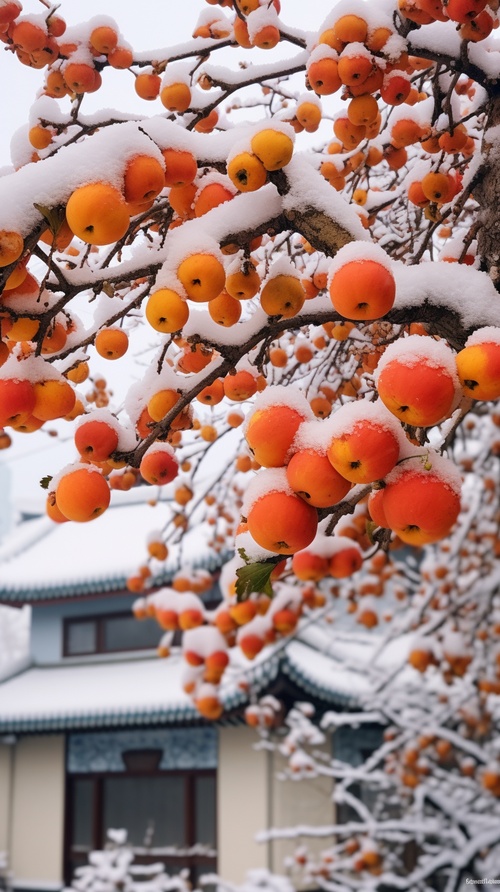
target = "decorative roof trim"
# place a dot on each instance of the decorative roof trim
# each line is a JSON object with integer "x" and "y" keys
{"x": 234, "y": 698}
{"x": 96, "y": 587}
{"x": 176, "y": 715}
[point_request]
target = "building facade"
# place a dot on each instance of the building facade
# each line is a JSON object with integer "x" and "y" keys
{"x": 96, "y": 731}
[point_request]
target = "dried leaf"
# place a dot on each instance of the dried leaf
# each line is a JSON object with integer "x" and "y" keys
{"x": 53, "y": 216}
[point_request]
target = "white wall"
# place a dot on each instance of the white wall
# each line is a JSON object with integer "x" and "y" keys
{"x": 242, "y": 784}
{"x": 252, "y": 798}
{"x": 37, "y": 831}
{"x": 293, "y": 803}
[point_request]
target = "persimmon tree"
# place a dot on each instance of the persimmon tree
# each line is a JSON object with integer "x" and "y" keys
{"x": 329, "y": 304}
{"x": 418, "y": 808}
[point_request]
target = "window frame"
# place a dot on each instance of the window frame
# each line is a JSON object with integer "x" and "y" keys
{"x": 73, "y": 859}
{"x": 99, "y": 620}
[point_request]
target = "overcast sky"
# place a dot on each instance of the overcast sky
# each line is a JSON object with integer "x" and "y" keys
{"x": 147, "y": 24}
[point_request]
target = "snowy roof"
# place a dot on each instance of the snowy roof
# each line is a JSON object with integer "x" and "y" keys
{"x": 321, "y": 675}
{"x": 126, "y": 692}
{"x": 139, "y": 691}
{"x": 41, "y": 560}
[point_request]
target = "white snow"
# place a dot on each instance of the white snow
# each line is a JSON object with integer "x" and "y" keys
{"x": 63, "y": 556}
{"x": 93, "y": 691}
{"x": 486, "y": 335}
{"x": 416, "y": 349}
{"x": 266, "y": 481}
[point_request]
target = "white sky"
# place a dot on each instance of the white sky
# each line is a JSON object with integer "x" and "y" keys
{"x": 143, "y": 32}
{"x": 33, "y": 456}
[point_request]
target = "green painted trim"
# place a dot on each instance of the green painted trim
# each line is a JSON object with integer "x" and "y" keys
{"x": 177, "y": 715}
{"x": 258, "y": 676}
{"x": 99, "y": 586}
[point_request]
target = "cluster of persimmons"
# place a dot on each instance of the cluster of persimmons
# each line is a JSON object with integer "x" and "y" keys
{"x": 361, "y": 443}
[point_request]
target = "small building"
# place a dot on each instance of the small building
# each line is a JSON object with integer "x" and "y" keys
{"x": 96, "y": 731}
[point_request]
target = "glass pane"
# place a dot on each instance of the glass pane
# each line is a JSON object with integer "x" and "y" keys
{"x": 81, "y": 818}
{"x": 151, "y": 809}
{"x": 198, "y": 872}
{"x": 204, "y": 810}
{"x": 128, "y": 633}
{"x": 81, "y": 638}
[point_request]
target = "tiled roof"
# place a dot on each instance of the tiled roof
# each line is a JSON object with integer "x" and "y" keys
{"x": 321, "y": 676}
{"x": 41, "y": 560}
{"x": 110, "y": 693}
{"x": 147, "y": 691}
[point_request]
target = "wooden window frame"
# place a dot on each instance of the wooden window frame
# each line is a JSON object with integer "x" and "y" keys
{"x": 98, "y": 830}
{"x": 99, "y": 620}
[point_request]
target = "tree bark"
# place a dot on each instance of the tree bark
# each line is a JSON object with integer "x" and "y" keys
{"x": 487, "y": 194}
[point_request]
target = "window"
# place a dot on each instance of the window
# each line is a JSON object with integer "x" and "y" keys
{"x": 154, "y": 808}
{"x": 81, "y": 637}
{"x": 81, "y": 818}
{"x": 355, "y": 745}
{"x": 169, "y": 817}
{"x": 108, "y": 633}
{"x": 204, "y": 799}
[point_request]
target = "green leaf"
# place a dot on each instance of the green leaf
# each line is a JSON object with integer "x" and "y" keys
{"x": 45, "y": 481}
{"x": 256, "y": 578}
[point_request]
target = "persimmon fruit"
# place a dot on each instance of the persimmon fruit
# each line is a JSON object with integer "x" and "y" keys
{"x": 82, "y": 494}
{"x": 281, "y": 522}
{"x": 97, "y": 214}
{"x": 202, "y": 276}
{"x": 111, "y": 343}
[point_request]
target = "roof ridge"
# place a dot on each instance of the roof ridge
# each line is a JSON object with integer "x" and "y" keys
{"x": 47, "y": 527}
